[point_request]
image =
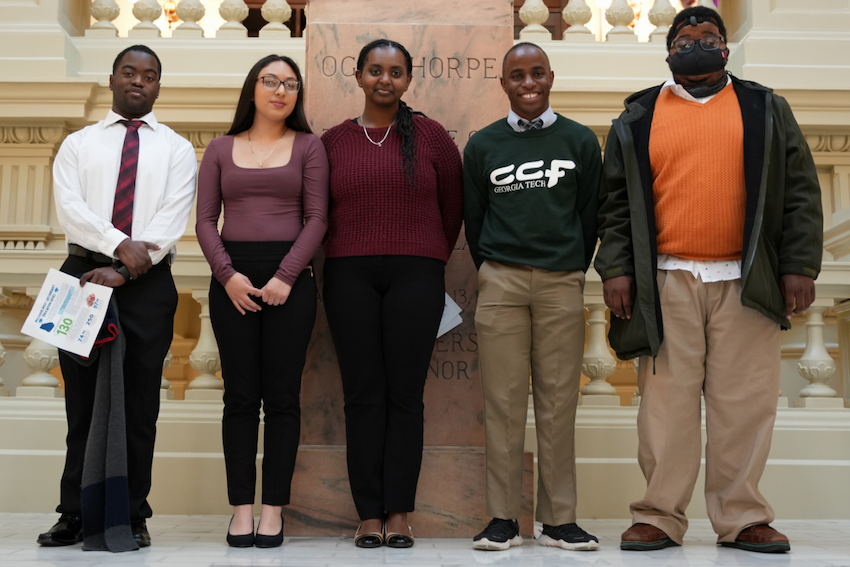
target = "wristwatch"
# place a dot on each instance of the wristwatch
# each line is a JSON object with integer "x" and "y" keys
{"x": 122, "y": 269}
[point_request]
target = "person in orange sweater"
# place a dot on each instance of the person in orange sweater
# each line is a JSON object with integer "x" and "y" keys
{"x": 711, "y": 237}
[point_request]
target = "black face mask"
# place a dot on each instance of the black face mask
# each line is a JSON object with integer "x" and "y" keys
{"x": 697, "y": 62}
{"x": 701, "y": 91}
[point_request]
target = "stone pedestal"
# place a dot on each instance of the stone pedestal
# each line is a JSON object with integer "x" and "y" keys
{"x": 457, "y": 57}
{"x": 449, "y": 499}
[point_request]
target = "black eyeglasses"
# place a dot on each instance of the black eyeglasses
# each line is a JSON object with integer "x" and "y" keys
{"x": 707, "y": 43}
{"x": 292, "y": 86}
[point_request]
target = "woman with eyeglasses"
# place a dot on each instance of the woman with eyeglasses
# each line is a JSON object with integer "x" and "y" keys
{"x": 271, "y": 175}
{"x": 395, "y": 214}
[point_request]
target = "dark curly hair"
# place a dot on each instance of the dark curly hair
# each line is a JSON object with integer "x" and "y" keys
{"x": 140, "y": 49}
{"x": 700, "y": 14}
{"x": 245, "y": 109}
{"x": 404, "y": 119}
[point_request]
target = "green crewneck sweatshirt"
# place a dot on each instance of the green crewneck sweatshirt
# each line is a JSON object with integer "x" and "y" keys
{"x": 530, "y": 198}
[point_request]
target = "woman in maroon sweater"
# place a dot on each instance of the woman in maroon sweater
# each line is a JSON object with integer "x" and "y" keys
{"x": 395, "y": 213}
{"x": 271, "y": 175}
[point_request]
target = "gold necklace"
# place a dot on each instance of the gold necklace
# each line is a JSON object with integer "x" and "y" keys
{"x": 250, "y": 147}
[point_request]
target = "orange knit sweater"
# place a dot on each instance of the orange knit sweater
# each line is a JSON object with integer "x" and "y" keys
{"x": 696, "y": 152}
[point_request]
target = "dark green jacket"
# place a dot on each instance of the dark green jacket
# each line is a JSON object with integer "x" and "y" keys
{"x": 783, "y": 228}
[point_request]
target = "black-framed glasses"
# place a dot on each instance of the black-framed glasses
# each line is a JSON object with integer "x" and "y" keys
{"x": 292, "y": 86}
{"x": 707, "y": 43}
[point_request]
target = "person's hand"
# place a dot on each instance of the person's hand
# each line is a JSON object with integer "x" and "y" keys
{"x": 619, "y": 295}
{"x": 798, "y": 292}
{"x": 103, "y": 276}
{"x": 276, "y": 292}
{"x": 134, "y": 255}
{"x": 240, "y": 289}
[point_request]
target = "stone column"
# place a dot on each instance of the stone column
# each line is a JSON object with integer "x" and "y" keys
{"x": 661, "y": 16}
{"x": 577, "y": 14}
{"x": 41, "y": 358}
{"x": 534, "y": 14}
{"x": 816, "y": 365}
{"x": 146, "y": 11}
{"x": 620, "y": 15}
{"x": 598, "y": 363}
{"x": 276, "y": 12}
{"x": 233, "y": 12}
{"x": 190, "y": 11}
{"x": 104, "y": 11}
{"x": 636, "y": 397}
{"x": 4, "y": 391}
{"x": 842, "y": 312}
{"x": 204, "y": 357}
{"x": 165, "y": 391}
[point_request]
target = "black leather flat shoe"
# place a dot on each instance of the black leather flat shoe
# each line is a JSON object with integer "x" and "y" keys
{"x": 246, "y": 540}
{"x": 67, "y": 531}
{"x": 261, "y": 540}
{"x": 399, "y": 541}
{"x": 368, "y": 540}
{"x": 140, "y": 533}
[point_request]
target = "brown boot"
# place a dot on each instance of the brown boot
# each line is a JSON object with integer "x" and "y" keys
{"x": 645, "y": 537}
{"x": 761, "y": 538}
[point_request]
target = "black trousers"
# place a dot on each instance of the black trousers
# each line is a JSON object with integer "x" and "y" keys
{"x": 383, "y": 313}
{"x": 146, "y": 309}
{"x": 262, "y": 358}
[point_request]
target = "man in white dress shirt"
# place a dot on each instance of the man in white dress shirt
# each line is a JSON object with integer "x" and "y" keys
{"x": 124, "y": 189}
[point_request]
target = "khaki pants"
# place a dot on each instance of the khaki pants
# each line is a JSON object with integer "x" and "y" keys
{"x": 530, "y": 321}
{"x": 712, "y": 344}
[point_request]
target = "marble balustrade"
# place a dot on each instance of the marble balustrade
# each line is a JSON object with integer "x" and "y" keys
{"x": 619, "y": 21}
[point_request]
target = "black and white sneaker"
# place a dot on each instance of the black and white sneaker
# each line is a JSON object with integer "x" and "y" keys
{"x": 499, "y": 535}
{"x": 568, "y": 536}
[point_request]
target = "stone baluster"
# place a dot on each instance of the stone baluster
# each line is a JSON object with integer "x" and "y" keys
{"x": 41, "y": 358}
{"x": 190, "y": 11}
{"x": 104, "y": 11}
{"x": 636, "y": 397}
{"x": 204, "y": 358}
{"x": 577, "y": 14}
{"x": 661, "y": 16}
{"x": 598, "y": 363}
{"x": 4, "y": 391}
{"x": 534, "y": 14}
{"x": 165, "y": 391}
{"x": 620, "y": 14}
{"x": 147, "y": 12}
{"x": 276, "y": 12}
{"x": 233, "y": 12}
{"x": 815, "y": 364}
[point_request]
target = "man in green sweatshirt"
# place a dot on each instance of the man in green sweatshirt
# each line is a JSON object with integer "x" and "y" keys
{"x": 530, "y": 203}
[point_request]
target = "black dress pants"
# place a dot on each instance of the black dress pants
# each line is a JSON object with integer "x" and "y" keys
{"x": 146, "y": 308}
{"x": 383, "y": 313}
{"x": 262, "y": 358}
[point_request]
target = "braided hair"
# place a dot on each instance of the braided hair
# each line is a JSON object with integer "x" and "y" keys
{"x": 404, "y": 119}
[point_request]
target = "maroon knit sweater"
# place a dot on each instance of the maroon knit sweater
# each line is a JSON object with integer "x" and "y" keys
{"x": 373, "y": 208}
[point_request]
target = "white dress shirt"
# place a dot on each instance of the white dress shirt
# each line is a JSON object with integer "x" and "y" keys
{"x": 707, "y": 270}
{"x": 548, "y": 117}
{"x": 85, "y": 175}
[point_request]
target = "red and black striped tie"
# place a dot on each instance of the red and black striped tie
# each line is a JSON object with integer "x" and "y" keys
{"x": 122, "y": 210}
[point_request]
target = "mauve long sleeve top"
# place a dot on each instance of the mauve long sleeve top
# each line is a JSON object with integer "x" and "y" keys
{"x": 286, "y": 203}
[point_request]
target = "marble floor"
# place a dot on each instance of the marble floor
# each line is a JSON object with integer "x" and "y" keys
{"x": 198, "y": 541}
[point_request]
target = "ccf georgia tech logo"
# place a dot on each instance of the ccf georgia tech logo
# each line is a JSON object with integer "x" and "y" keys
{"x": 529, "y": 174}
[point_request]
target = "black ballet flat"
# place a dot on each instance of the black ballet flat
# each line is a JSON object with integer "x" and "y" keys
{"x": 368, "y": 540}
{"x": 399, "y": 541}
{"x": 266, "y": 541}
{"x": 246, "y": 540}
